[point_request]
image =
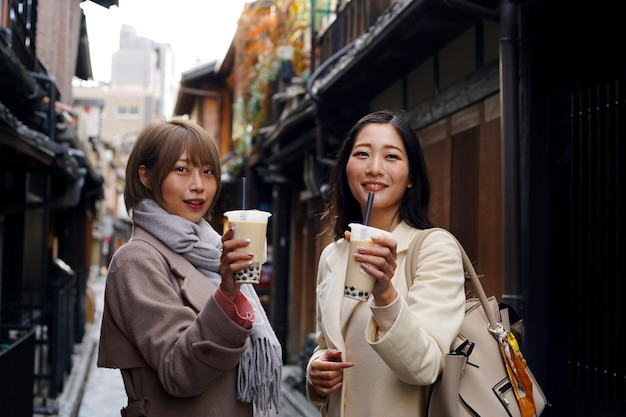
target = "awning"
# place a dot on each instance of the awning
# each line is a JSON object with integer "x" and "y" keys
{"x": 36, "y": 145}
{"x": 24, "y": 150}
{"x": 83, "y": 58}
{"x": 106, "y": 3}
{"x": 403, "y": 37}
{"x": 193, "y": 83}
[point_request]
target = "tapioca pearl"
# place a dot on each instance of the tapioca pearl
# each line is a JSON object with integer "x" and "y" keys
{"x": 251, "y": 274}
{"x": 353, "y": 292}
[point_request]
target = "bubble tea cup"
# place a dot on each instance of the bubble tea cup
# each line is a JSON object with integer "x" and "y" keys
{"x": 251, "y": 224}
{"x": 359, "y": 284}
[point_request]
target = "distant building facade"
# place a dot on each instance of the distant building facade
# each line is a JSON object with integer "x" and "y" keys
{"x": 142, "y": 88}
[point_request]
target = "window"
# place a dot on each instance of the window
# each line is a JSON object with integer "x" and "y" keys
{"x": 130, "y": 112}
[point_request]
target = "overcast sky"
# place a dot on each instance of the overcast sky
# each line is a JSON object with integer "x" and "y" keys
{"x": 197, "y": 30}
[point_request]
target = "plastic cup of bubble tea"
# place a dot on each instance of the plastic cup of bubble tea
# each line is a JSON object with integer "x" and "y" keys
{"x": 359, "y": 284}
{"x": 251, "y": 224}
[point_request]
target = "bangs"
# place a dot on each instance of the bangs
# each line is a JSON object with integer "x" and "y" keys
{"x": 198, "y": 152}
{"x": 181, "y": 139}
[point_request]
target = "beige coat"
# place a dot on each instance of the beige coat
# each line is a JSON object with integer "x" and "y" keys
{"x": 177, "y": 349}
{"x": 393, "y": 372}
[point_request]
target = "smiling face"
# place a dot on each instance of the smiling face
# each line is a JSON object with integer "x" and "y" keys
{"x": 378, "y": 163}
{"x": 187, "y": 190}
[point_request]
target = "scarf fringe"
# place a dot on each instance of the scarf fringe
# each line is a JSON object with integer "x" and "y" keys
{"x": 261, "y": 386}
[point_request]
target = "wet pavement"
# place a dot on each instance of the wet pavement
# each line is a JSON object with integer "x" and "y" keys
{"x": 99, "y": 392}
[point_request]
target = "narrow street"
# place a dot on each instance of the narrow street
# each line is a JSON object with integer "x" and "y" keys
{"x": 104, "y": 391}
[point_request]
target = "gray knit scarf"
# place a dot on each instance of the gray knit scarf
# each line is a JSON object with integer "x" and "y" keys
{"x": 260, "y": 367}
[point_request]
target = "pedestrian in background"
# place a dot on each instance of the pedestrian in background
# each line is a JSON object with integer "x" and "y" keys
{"x": 378, "y": 357}
{"x": 188, "y": 339}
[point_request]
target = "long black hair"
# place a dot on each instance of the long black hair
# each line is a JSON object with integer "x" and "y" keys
{"x": 345, "y": 209}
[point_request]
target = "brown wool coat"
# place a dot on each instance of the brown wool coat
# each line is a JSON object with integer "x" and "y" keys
{"x": 177, "y": 349}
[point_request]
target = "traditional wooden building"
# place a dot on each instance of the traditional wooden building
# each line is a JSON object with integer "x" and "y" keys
{"x": 521, "y": 118}
{"x": 50, "y": 188}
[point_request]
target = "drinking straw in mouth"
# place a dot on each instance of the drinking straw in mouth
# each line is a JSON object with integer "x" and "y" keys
{"x": 368, "y": 209}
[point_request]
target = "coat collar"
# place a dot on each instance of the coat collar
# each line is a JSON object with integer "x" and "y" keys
{"x": 403, "y": 234}
{"x": 196, "y": 288}
{"x": 336, "y": 307}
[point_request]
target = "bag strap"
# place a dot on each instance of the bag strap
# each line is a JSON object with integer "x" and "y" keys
{"x": 411, "y": 267}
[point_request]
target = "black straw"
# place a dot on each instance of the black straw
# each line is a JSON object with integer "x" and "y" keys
{"x": 368, "y": 208}
{"x": 244, "y": 191}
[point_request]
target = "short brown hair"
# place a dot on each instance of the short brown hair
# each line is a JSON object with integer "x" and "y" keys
{"x": 158, "y": 147}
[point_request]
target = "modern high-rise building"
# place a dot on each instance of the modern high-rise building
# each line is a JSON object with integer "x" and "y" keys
{"x": 142, "y": 87}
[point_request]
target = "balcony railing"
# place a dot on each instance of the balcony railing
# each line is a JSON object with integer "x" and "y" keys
{"x": 352, "y": 20}
{"x": 21, "y": 32}
{"x": 17, "y": 347}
